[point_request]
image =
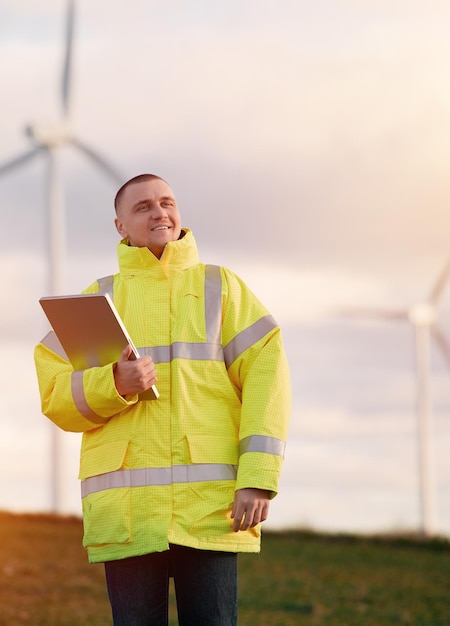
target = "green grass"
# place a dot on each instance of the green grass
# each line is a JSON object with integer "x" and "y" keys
{"x": 300, "y": 578}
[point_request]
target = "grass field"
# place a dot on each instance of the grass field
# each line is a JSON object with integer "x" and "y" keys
{"x": 299, "y": 578}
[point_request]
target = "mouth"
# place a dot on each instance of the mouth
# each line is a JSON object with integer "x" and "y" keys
{"x": 160, "y": 228}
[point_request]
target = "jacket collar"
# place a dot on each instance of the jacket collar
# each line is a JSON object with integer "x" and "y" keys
{"x": 177, "y": 255}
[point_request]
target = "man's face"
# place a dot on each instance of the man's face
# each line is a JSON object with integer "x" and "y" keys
{"x": 148, "y": 215}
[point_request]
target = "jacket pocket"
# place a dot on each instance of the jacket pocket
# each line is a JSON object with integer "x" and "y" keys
{"x": 107, "y": 518}
{"x": 212, "y": 449}
{"x": 106, "y": 513}
{"x": 102, "y": 459}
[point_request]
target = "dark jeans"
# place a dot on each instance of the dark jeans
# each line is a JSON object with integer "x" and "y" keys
{"x": 205, "y": 587}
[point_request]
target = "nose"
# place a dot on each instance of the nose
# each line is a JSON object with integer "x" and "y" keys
{"x": 157, "y": 210}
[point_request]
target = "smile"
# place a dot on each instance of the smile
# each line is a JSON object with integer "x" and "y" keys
{"x": 161, "y": 228}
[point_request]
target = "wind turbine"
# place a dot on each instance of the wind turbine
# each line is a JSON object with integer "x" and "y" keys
{"x": 424, "y": 320}
{"x": 47, "y": 139}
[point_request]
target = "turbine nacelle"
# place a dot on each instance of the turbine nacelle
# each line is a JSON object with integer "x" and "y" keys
{"x": 422, "y": 314}
{"x": 50, "y": 134}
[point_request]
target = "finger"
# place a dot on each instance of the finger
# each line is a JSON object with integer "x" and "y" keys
{"x": 126, "y": 353}
{"x": 255, "y": 515}
{"x": 245, "y": 516}
{"x": 150, "y": 368}
{"x": 237, "y": 524}
{"x": 150, "y": 380}
{"x": 265, "y": 512}
{"x": 257, "y": 518}
{"x": 237, "y": 515}
{"x": 248, "y": 521}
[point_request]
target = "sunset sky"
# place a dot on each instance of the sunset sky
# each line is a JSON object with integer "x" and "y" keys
{"x": 308, "y": 145}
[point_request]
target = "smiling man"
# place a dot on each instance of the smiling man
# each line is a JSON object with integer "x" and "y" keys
{"x": 178, "y": 485}
{"x": 147, "y": 214}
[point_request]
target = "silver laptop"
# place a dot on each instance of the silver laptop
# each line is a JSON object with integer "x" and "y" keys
{"x": 90, "y": 330}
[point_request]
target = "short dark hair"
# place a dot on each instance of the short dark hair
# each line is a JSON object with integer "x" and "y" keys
{"x": 133, "y": 181}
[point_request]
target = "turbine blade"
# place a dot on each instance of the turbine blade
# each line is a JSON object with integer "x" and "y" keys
{"x": 438, "y": 288}
{"x": 442, "y": 342}
{"x": 67, "y": 65}
{"x": 20, "y": 160}
{"x": 99, "y": 160}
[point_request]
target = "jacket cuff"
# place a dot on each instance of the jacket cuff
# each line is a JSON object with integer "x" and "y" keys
{"x": 259, "y": 470}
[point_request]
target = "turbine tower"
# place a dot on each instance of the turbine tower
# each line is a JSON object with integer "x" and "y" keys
{"x": 47, "y": 139}
{"x": 424, "y": 320}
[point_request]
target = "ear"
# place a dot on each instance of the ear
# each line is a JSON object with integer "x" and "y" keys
{"x": 120, "y": 228}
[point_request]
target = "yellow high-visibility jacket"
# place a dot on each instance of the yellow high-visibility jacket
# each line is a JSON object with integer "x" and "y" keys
{"x": 155, "y": 472}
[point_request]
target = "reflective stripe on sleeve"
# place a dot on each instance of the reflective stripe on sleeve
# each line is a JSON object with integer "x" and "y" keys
{"x": 246, "y": 338}
{"x": 80, "y": 399}
{"x": 262, "y": 443}
{"x": 158, "y": 476}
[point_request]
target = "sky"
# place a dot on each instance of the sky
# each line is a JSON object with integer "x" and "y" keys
{"x": 308, "y": 146}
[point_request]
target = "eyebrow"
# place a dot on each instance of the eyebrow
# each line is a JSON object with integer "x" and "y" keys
{"x": 146, "y": 200}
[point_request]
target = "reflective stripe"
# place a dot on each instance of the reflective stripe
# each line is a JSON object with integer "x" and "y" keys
{"x": 52, "y": 342}
{"x": 261, "y": 443}
{"x": 183, "y": 350}
{"x": 106, "y": 286}
{"x": 158, "y": 476}
{"x": 197, "y": 351}
{"x": 248, "y": 337}
{"x": 159, "y": 354}
{"x": 213, "y": 304}
{"x": 80, "y": 399}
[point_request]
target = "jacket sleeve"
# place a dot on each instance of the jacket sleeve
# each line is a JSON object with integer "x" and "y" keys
{"x": 76, "y": 401}
{"x": 258, "y": 368}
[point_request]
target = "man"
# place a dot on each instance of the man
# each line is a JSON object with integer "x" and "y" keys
{"x": 174, "y": 486}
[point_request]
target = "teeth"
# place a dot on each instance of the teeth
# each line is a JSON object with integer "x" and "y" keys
{"x": 161, "y": 228}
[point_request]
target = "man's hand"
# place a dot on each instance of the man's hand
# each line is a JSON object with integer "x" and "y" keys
{"x": 133, "y": 376}
{"x": 250, "y": 507}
